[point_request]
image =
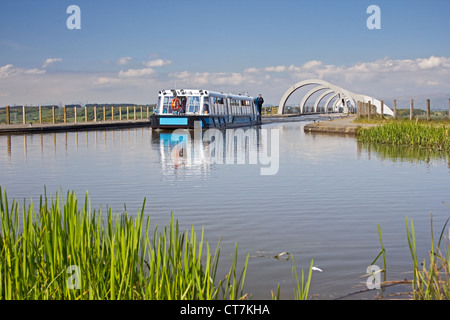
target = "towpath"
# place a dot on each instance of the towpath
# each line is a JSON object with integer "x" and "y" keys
{"x": 341, "y": 125}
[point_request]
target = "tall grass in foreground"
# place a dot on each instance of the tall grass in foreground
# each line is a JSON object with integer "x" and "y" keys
{"x": 407, "y": 133}
{"x": 431, "y": 278}
{"x": 112, "y": 260}
{"x": 62, "y": 252}
{"x": 302, "y": 289}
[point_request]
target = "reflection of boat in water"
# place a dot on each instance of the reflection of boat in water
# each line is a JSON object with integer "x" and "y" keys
{"x": 197, "y": 150}
{"x": 176, "y": 151}
{"x": 182, "y": 108}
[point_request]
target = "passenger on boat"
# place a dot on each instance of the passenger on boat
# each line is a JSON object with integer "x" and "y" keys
{"x": 205, "y": 108}
{"x": 259, "y": 103}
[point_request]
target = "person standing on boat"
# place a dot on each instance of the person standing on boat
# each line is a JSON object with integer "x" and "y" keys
{"x": 259, "y": 103}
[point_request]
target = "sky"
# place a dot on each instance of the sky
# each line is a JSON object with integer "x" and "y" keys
{"x": 126, "y": 51}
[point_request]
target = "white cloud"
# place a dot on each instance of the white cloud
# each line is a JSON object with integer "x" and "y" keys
{"x": 136, "y": 73}
{"x": 124, "y": 60}
{"x": 34, "y": 71}
{"x": 9, "y": 70}
{"x": 432, "y": 83}
{"x": 6, "y": 70}
{"x": 50, "y": 61}
{"x": 312, "y": 64}
{"x": 292, "y": 68}
{"x": 251, "y": 70}
{"x": 275, "y": 69}
{"x": 156, "y": 63}
{"x": 106, "y": 80}
{"x": 431, "y": 62}
{"x": 180, "y": 75}
{"x": 207, "y": 78}
{"x": 384, "y": 77}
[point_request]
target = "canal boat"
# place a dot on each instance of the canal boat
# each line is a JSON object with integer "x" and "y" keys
{"x": 209, "y": 109}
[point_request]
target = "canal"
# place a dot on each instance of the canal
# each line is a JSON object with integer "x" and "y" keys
{"x": 276, "y": 192}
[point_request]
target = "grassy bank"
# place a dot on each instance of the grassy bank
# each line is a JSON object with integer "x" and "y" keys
{"x": 62, "y": 252}
{"x": 433, "y": 135}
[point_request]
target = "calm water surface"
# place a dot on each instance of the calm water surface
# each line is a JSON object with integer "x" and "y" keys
{"x": 323, "y": 201}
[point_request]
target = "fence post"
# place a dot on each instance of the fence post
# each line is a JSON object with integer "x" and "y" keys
{"x": 112, "y": 113}
{"x": 8, "y": 119}
{"x": 104, "y": 113}
{"x": 120, "y": 113}
{"x": 65, "y": 114}
{"x": 428, "y": 110}
{"x": 53, "y": 114}
{"x": 141, "y": 113}
{"x": 128, "y": 113}
{"x": 40, "y": 114}
{"x": 382, "y": 109}
{"x": 148, "y": 112}
{"x": 85, "y": 114}
{"x": 75, "y": 114}
{"x": 411, "y": 108}
{"x": 395, "y": 109}
{"x": 134, "y": 109}
{"x": 23, "y": 115}
{"x": 95, "y": 114}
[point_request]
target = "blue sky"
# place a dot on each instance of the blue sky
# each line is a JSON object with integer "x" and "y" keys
{"x": 126, "y": 51}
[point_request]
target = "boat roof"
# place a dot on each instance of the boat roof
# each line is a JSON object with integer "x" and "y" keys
{"x": 182, "y": 92}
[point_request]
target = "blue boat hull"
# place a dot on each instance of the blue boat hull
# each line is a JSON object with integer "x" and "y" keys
{"x": 206, "y": 121}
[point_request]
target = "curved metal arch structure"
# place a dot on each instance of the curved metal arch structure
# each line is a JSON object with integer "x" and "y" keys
{"x": 343, "y": 97}
{"x": 320, "y": 98}
{"x": 309, "y": 94}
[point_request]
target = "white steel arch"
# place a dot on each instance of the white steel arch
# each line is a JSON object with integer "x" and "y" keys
{"x": 329, "y": 101}
{"x": 320, "y": 98}
{"x": 309, "y": 94}
{"x": 344, "y": 96}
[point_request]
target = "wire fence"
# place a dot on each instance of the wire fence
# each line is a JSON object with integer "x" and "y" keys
{"x": 72, "y": 114}
{"x": 411, "y": 110}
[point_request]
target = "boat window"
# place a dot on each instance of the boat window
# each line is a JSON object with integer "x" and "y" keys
{"x": 193, "y": 104}
{"x": 218, "y": 106}
{"x": 244, "y": 106}
{"x": 235, "y": 108}
{"x": 167, "y": 105}
{"x": 248, "y": 107}
{"x": 206, "y": 105}
{"x": 159, "y": 106}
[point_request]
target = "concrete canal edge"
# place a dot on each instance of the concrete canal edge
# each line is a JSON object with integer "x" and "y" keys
{"x": 342, "y": 125}
{"x": 70, "y": 127}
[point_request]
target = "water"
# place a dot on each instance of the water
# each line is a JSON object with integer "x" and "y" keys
{"x": 322, "y": 201}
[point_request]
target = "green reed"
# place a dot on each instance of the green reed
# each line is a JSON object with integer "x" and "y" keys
{"x": 407, "y": 133}
{"x": 117, "y": 259}
{"x": 431, "y": 278}
{"x": 302, "y": 287}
